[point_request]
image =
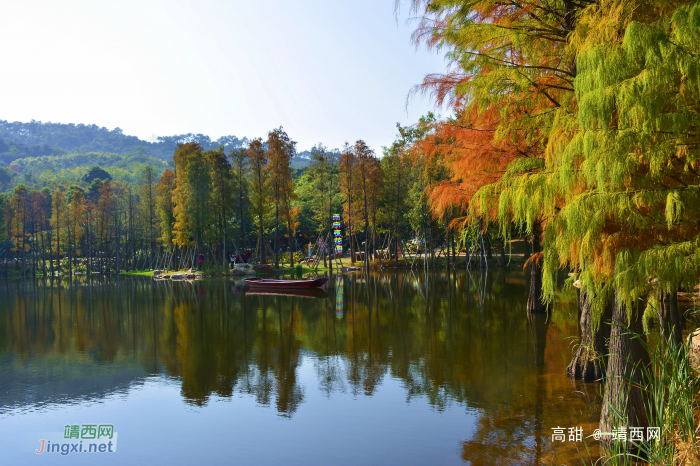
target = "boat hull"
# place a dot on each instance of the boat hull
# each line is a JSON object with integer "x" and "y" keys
{"x": 271, "y": 284}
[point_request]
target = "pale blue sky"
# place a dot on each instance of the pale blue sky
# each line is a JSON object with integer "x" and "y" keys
{"x": 328, "y": 71}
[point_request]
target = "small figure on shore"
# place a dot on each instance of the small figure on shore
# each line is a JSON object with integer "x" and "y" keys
{"x": 200, "y": 259}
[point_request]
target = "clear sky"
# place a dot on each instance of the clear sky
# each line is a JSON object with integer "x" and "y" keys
{"x": 326, "y": 70}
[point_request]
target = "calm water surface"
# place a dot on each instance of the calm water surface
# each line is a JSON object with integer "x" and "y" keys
{"x": 400, "y": 368}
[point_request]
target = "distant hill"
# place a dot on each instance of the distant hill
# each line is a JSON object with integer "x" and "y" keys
{"x": 35, "y": 146}
{"x": 38, "y": 154}
{"x": 36, "y": 139}
{"x": 12, "y": 150}
{"x": 301, "y": 160}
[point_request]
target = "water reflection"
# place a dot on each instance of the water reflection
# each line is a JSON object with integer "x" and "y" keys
{"x": 460, "y": 341}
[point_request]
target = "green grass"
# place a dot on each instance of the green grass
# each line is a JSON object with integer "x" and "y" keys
{"x": 138, "y": 273}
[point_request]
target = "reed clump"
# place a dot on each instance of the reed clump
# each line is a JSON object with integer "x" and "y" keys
{"x": 671, "y": 383}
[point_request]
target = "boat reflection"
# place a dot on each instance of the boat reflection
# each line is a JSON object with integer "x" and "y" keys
{"x": 304, "y": 293}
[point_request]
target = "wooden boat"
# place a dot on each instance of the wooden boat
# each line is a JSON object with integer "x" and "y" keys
{"x": 289, "y": 292}
{"x": 272, "y": 284}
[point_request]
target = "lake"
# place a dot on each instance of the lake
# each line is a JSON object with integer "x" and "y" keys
{"x": 399, "y": 368}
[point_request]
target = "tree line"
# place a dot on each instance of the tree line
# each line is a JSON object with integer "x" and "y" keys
{"x": 217, "y": 202}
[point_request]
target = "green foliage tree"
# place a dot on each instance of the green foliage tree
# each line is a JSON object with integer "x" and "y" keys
{"x": 260, "y": 192}
{"x": 396, "y": 168}
{"x": 239, "y": 169}
{"x": 221, "y": 194}
{"x": 146, "y": 209}
{"x": 96, "y": 173}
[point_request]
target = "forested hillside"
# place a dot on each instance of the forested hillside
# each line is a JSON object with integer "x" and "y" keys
{"x": 12, "y": 150}
{"x": 40, "y": 155}
{"x": 92, "y": 138}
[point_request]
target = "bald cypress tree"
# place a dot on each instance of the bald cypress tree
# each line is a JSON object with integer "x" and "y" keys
{"x": 280, "y": 150}
{"x": 239, "y": 169}
{"x": 512, "y": 78}
{"x": 165, "y": 206}
{"x": 191, "y": 197}
{"x": 147, "y": 207}
{"x": 611, "y": 187}
{"x": 632, "y": 174}
{"x": 366, "y": 162}
{"x": 260, "y": 191}
{"x": 59, "y": 222}
{"x": 618, "y": 185}
{"x": 221, "y": 194}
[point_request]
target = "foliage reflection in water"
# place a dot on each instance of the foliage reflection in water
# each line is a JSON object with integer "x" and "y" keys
{"x": 455, "y": 350}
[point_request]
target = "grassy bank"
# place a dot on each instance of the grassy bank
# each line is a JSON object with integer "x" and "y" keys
{"x": 216, "y": 270}
{"x": 149, "y": 273}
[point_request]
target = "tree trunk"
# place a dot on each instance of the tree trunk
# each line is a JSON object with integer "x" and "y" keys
{"x": 502, "y": 254}
{"x": 626, "y": 363}
{"x": 447, "y": 238}
{"x": 374, "y": 235}
{"x": 240, "y": 205}
{"x": 291, "y": 244}
{"x": 588, "y": 362}
{"x": 526, "y": 243}
{"x": 7, "y": 249}
{"x": 539, "y": 323}
{"x": 668, "y": 319}
{"x": 277, "y": 227}
{"x": 366, "y": 263}
{"x": 70, "y": 251}
{"x": 534, "y": 300}
{"x": 58, "y": 246}
{"x": 117, "y": 233}
{"x": 467, "y": 253}
{"x": 34, "y": 253}
{"x": 352, "y": 245}
{"x": 262, "y": 245}
{"x": 88, "y": 244}
{"x": 51, "y": 271}
{"x": 482, "y": 249}
{"x": 432, "y": 248}
{"x": 223, "y": 251}
{"x": 43, "y": 254}
{"x": 454, "y": 254}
